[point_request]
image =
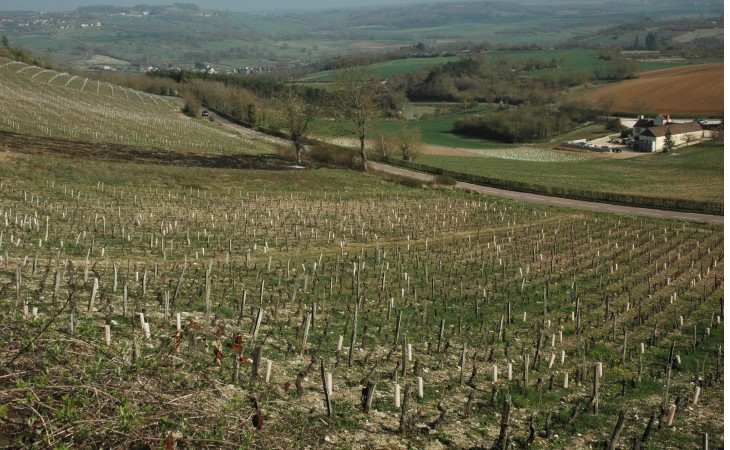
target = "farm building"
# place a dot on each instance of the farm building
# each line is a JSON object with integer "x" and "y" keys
{"x": 643, "y": 124}
{"x": 652, "y": 138}
{"x": 648, "y": 134}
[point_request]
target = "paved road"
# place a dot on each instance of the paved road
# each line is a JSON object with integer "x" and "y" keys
{"x": 525, "y": 197}
{"x": 557, "y": 201}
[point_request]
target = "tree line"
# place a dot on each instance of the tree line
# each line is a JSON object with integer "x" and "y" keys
{"x": 527, "y": 123}
{"x": 492, "y": 80}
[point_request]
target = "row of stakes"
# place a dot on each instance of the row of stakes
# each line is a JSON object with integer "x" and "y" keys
{"x": 33, "y": 313}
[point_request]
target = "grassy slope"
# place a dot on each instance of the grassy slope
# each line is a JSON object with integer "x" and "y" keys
{"x": 694, "y": 173}
{"x": 56, "y": 104}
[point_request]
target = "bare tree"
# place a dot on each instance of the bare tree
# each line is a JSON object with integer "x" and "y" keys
{"x": 191, "y": 105}
{"x": 606, "y": 104}
{"x": 641, "y": 106}
{"x": 296, "y": 116}
{"x": 356, "y": 105}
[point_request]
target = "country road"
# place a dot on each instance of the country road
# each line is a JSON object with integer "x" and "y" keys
{"x": 521, "y": 196}
{"x": 557, "y": 201}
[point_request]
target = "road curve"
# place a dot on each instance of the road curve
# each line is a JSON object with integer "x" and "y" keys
{"x": 557, "y": 201}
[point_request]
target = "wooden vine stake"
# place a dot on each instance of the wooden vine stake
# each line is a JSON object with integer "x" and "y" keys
{"x": 352, "y": 338}
{"x": 670, "y": 414}
{"x": 306, "y": 334}
{"x": 325, "y": 388}
{"x": 613, "y": 442}
{"x": 368, "y": 392}
{"x": 501, "y": 443}
{"x": 403, "y": 428}
{"x": 269, "y": 363}
{"x": 596, "y": 383}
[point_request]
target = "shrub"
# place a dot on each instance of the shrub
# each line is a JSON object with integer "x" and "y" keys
{"x": 444, "y": 180}
{"x": 333, "y": 155}
{"x": 409, "y": 182}
{"x": 286, "y": 152}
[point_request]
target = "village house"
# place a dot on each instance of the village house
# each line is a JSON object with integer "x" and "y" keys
{"x": 649, "y": 134}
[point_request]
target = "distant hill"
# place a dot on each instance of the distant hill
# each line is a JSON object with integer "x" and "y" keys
{"x": 188, "y": 36}
{"x": 691, "y": 90}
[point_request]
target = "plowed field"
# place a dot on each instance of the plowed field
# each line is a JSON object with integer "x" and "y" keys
{"x": 684, "y": 90}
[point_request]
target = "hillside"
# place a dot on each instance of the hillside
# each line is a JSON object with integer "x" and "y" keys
{"x": 60, "y": 105}
{"x": 691, "y": 90}
{"x": 151, "y": 297}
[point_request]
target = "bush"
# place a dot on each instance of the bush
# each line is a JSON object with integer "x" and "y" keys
{"x": 333, "y": 155}
{"x": 286, "y": 152}
{"x": 444, "y": 180}
{"x": 409, "y": 182}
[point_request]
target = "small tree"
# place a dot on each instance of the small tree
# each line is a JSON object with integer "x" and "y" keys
{"x": 408, "y": 139}
{"x": 191, "y": 104}
{"x": 668, "y": 141}
{"x": 5, "y": 42}
{"x": 687, "y": 139}
{"x": 296, "y": 116}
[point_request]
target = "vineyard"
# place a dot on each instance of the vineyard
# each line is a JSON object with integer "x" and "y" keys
{"x": 44, "y": 102}
{"x": 337, "y": 310}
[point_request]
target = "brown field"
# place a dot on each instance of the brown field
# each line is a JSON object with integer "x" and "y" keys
{"x": 684, "y": 90}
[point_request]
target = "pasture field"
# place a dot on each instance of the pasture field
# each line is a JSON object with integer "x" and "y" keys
{"x": 691, "y": 173}
{"x": 149, "y": 305}
{"x": 436, "y": 131}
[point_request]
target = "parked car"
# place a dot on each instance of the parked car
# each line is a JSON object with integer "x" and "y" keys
{"x": 205, "y": 113}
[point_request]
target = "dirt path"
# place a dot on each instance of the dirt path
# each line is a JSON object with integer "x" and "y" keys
{"x": 557, "y": 201}
{"x": 248, "y": 132}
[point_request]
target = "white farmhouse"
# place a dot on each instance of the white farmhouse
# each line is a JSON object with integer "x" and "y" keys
{"x": 649, "y": 134}
{"x": 652, "y": 139}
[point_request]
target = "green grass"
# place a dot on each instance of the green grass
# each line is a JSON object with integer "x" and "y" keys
{"x": 570, "y": 60}
{"x": 435, "y": 131}
{"x": 438, "y": 131}
{"x": 693, "y": 173}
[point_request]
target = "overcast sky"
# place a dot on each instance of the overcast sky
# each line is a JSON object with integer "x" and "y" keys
{"x": 232, "y": 5}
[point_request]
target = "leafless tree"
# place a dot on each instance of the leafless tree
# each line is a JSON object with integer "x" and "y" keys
{"x": 356, "y": 105}
{"x": 296, "y": 115}
{"x": 606, "y": 104}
